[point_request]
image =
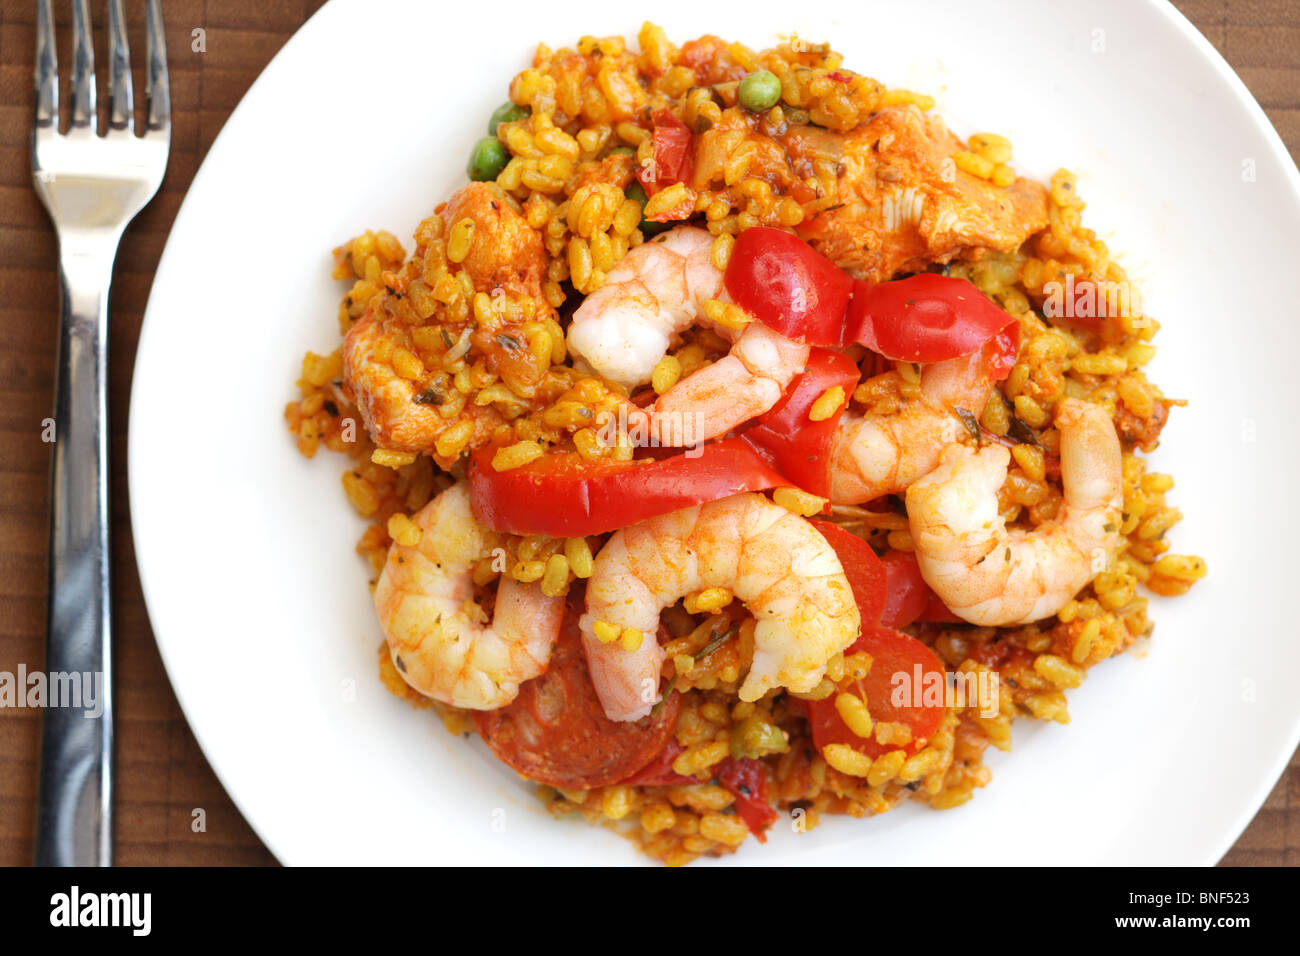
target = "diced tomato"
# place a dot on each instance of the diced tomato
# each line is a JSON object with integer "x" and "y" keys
{"x": 798, "y": 447}
{"x": 1002, "y": 351}
{"x": 743, "y": 778}
{"x": 565, "y": 495}
{"x": 673, "y": 156}
{"x": 556, "y": 732}
{"x": 746, "y": 780}
{"x": 865, "y": 571}
{"x": 788, "y": 286}
{"x": 906, "y": 684}
{"x": 924, "y": 318}
{"x": 908, "y": 597}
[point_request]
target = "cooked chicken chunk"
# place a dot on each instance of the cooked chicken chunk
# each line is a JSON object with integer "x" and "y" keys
{"x": 504, "y": 251}
{"x": 406, "y": 414}
{"x": 902, "y": 201}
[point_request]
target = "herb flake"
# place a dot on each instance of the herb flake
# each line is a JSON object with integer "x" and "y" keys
{"x": 717, "y": 642}
{"x": 968, "y": 420}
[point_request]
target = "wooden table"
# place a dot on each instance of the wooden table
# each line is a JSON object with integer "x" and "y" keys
{"x": 162, "y": 775}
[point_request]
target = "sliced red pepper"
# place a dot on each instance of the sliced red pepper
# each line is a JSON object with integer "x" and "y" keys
{"x": 865, "y": 571}
{"x": 906, "y": 592}
{"x": 908, "y": 597}
{"x": 900, "y": 665}
{"x": 673, "y": 155}
{"x": 565, "y": 495}
{"x": 925, "y": 318}
{"x": 788, "y": 286}
{"x": 746, "y": 780}
{"x": 798, "y": 447}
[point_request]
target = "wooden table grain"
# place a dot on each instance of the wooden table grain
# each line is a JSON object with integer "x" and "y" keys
{"x": 163, "y": 778}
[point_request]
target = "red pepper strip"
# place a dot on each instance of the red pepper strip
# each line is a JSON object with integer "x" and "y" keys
{"x": 908, "y": 597}
{"x": 673, "y": 157}
{"x": 926, "y": 318}
{"x": 798, "y": 447}
{"x": 746, "y": 780}
{"x": 788, "y": 286}
{"x": 563, "y": 495}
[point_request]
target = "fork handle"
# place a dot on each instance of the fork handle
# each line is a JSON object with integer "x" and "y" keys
{"x": 75, "y": 810}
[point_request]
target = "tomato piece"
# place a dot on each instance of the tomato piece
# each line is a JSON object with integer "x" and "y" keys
{"x": 865, "y": 571}
{"x": 798, "y": 447}
{"x": 673, "y": 160}
{"x": 556, "y": 732}
{"x": 788, "y": 286}
{"x": 924, "y": 318}
{"x": 906, "y": 684}
{"x": 1002, "y": 351}
{"x": 746, "y": 780}
{"x": 565, "y": 495}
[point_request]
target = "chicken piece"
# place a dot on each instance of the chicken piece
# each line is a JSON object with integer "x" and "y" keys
{"x": 505, "y": 255}
{"x": 504, "y": 251}
{"x": 902, "y": 201}
{"x": 399, "y": 414}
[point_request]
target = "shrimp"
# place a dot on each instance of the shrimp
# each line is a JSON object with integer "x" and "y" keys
{"x": 425, "y": 602}
{"x": 874, "y": 455}
{"x": 989, "y": 575}
{"x": 656, "y": 292}
{"x": 777, "y": 563}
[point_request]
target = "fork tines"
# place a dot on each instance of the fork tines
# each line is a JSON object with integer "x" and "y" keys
{"x": 121, "y": 111}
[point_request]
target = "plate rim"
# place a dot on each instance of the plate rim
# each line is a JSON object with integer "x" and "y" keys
{"x": 1172, "y": 16}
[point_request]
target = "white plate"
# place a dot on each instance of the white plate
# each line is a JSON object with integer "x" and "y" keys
{"x": 365, "y": 119}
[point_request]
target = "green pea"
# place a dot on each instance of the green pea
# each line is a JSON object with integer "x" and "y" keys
{"x": 507, "y": 112}
{"x": 648, "y": 228}
{"x": 623, "y": 150}
{"x": 760, "y": 91}
{"x": 487, "y": 160}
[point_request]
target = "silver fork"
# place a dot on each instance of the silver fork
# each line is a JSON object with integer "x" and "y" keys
{"x": 92, "y": 186}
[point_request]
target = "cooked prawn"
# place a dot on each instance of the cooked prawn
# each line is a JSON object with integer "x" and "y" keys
{"x": 874, "y": 455}
{"x": 425, "y": 601}
{"x": 774, "y": 561}
{"x": 991, "y": 575}
{"x": 656, "y": 292}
